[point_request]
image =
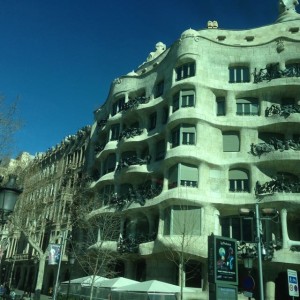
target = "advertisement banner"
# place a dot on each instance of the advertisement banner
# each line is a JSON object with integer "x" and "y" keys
{"x": 226, "y": 262}
{"x": 54, "y": 254}
{"x": 222, "y": 260}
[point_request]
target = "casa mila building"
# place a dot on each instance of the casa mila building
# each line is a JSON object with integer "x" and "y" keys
{"x": 201, "y": 131}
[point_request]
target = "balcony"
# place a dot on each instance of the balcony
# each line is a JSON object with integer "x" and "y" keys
{"x": 134, "y": 103}
{"x": 130, "y": 133}
{"x": 102, "y": 123}
{"x": 274, "y": 144}
{"x": 277, "y": 185}
{"x": 282, "y": 110}
{"x": 131, "y": 244}
{"x": 135, "y": 195}
{"x": 133, "y": 160}
{"x": 272, "y": 71}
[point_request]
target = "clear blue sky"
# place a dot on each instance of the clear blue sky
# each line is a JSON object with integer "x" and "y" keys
{"x": 60, "y": 56}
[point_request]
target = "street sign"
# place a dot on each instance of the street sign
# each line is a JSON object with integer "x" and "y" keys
{"x": 248, "y": 283}
{"x": 293, "y": 283}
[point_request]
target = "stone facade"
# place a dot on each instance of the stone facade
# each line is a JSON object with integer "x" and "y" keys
{"x": 50, "y": 179}
{"x": 208, "y": 126}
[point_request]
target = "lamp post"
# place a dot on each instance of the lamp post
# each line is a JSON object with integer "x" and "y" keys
{"x": 268, "y": 214}
{"x": 8, "y": 197}
{"x": 71, "y": 263}
{"x": 259, "y": 254}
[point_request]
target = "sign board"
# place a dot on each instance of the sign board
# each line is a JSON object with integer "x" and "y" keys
{"x": 222, "y": 260}
{"x": 54, "y": 254}
{"x": 223, "y": 291}
{"x": 248, "y": 283}
{"x": 293, "y": 283}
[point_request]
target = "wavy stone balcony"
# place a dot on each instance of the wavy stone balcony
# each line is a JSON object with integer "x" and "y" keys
{"x": 282, "y": 110}
{"x": 134, "y": 103}
{"x": 132, "y": 160}
{"x": 130, "y": 133}
{"x": 274, "y": 144}
{"x": 280, "y": 185}
{"x": 134, "y": 195}
{"x": 131, "y": 243}
{"x": 272, "y": 71}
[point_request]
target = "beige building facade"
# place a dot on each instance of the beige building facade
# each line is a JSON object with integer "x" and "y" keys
{"x": 201, "y": 129}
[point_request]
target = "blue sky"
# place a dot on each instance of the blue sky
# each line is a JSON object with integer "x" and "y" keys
{"x": 60, "y": 56}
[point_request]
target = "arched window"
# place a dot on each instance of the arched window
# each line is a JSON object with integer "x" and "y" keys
{"x": 238, "y": 181}
{"x": 185, "y": 70}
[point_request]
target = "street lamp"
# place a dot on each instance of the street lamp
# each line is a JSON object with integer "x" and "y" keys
{"x": 267, "y": 214}
{"x": 8, "y": 198}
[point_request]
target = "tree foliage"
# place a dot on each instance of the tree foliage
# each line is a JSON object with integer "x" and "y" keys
{"x": 9, "y": 124}
{"x": 95, "y": 239}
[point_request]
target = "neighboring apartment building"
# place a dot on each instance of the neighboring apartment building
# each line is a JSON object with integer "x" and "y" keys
{"x": 198, "y": 131}
{"x": 50, "y": 181}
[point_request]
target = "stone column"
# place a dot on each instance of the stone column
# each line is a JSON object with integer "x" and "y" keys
{"x": 270, "y": 277}
{"x": 285, "y": 236}
{"x": 270, "y": 290}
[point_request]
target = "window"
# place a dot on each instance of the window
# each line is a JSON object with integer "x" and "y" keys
{"x": 159, "y": 89}
{"x": 160, "y": 150}
{"x": 115, "y": 132}
{"x": 183, "y": 135}
{"x": 247, "y": 107}
{"x": 293, "y": 69}
{"x": 238, "y": 228}
{"x": 185, "y": 98}
{"x": 238, "y": 181}
{"x": 231, "y": 141}
{"x": 184, "y": 175}
{"x": 110, "y": 163}
{"x": 165, "y": 115}
{"x": 182, "y": 220}
{"x": 220, "y": 101}
{"x": 152, "y": 120}
{"x": 185, "y": 71}
{"x": 118, "y": 106}
{"x": 239, "y": 74}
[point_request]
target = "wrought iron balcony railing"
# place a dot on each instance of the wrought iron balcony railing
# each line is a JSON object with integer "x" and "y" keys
{"x": 134, "y": 103}
{"x": 137, "y": 195}
{"x": 133, "y": 160}
{"x": 102, "y": 122}
{"x": 129, "y": 133}
{"x": 272, "y": 71}
{"x": 131, "y": 244}
{"x": 274, "y": 145}
{"x": 282, "y": 110}
{"x": 277, "y": 186}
